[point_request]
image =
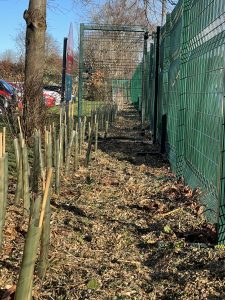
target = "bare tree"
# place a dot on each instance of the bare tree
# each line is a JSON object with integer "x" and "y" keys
{"x": 33, "y": 112}
{"x": 156, "y": 9}
{"x": 111, "y": 57}
{"x": 53, "y": 56}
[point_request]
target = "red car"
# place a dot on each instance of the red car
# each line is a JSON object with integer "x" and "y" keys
{"x": 48, "y": 99}
{"x": 7, "y": 94}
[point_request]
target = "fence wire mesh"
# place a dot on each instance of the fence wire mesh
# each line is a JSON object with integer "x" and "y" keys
{"x": 191, "y": 97}
{"x": 177, "y": 83}
{"x": 110, "y": 66}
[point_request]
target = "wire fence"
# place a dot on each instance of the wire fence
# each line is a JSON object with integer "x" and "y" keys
{"x": 185, "y": 98}
{"x": 109, "y": 56}
{"x": 176, "y": 81}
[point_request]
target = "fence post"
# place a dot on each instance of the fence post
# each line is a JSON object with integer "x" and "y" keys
{"x": 221, "y": 196}
{"x": 80, "y": 86}
{"x": 64, "y": 71}
{"x": 144, "y": 81}
{"x": 156, "y": 84}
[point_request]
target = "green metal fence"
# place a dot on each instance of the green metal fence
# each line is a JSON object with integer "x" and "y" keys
{"x": 191, "y": 99}
{"x": 177, "y": 83}
{"x": 110, "y": 65}
{"x": 136, "y": 87}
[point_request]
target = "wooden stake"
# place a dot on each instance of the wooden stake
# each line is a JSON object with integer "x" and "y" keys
{"x": 76, "y": 151}
{"x": 3, "y": 141}
{"x": 20, "y": 128}
{"x": 1, "y": 152}
{"x": 96, "y": 136}
{"x": 45, "y": 197}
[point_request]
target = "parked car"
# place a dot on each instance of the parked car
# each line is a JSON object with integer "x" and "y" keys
{"x": 53, "y": 88}
{"x": 7, "y": 94}
{"x": 55, "y": 91}
{"x": 53, "y": 94}
{"x": 49, "y": 98}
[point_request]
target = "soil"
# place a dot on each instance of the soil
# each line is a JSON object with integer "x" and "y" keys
{"x": 123, "y": 228}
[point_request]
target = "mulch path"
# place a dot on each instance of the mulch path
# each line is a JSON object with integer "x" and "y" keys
{"x": 123, "y": 228}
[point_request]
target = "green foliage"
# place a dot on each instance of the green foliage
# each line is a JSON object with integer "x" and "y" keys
{"x": 93, "y": 284}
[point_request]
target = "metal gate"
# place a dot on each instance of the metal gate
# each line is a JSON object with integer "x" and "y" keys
{"x": 111, "y": 66}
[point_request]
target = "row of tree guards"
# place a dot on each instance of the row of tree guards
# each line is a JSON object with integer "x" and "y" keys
{"x": 58, "y": 151}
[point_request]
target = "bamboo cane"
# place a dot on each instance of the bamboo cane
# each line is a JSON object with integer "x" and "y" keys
{"x": 42, "y": 170}
{"x": 23, "y": 290}
{"x": 36, "y": 168}
{"x": 89, "y": 131}
{"x": 84, "y": 128}
{"x": 45, "y": 235}
{"x": 3, "y": 141}
{"x": 6, "y": 184}
{"x": 17, "y": 152}
{"x": 45, "y": 146}
{"x": 20, "y": 128}
{"x": 92, "y": 117}
{"x": 88, "y": 153}
{"x": 49, "y": 162}
{"x": 61, "y": 144}
{"x": 65, "y": 142}
{"x": 96, "y": 136}
{"x": 19, "y": 186}
{"x": 80, "y": 137}
{"x": 1, "y": 145}
{"x": 57, "y": 168}
{"x": 76, "y": 151}
{"x": 45, "y": 197}
{"x": 69, "y": 152}
{"x": 24, "y": 285}
{"x": 2, "y": 195}
{"x": 54, "y": 144}
{"x": 35, "y": 212}
{"x": 26, "y": 193}
{"x": 106, "y": 128}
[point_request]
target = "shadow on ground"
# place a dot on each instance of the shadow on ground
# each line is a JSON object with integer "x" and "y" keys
{"x": 127, "y": 141}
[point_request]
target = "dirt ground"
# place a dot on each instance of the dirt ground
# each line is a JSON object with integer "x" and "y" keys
{"x": 123, "y": 228}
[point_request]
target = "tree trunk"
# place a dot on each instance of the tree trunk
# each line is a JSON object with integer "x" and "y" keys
{"x": 163, "y": 19}
{"x": 34, "y": 108}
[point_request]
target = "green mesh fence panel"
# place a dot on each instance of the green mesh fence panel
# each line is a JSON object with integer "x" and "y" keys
{"x": 147, "y": 86}
{"x": 203, "y": 97}
{"x": 164, "y": 76}
{"x": 191, "y": 95}
{"x": 110, "y": 64}
{"x": 151, "y": 96}
{"x": 173, "y": 98}
{"x": 136, "y": 87}
{"x": 120, "y": 88}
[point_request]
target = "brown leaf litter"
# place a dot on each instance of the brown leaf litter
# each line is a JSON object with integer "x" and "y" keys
{"x": 123, "y": 228}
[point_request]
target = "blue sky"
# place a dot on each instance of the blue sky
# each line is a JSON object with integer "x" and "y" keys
{"x": 59, "y": 16}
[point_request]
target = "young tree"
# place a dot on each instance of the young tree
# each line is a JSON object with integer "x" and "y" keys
{"x": 33, "y": 112}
